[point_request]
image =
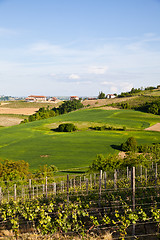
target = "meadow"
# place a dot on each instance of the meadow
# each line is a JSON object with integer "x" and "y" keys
{"x": 38, "y": 143}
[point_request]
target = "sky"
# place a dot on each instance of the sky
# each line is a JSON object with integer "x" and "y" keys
{"x": 78, "y": 47}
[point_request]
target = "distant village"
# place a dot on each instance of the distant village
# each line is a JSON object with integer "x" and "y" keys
{"x": 35, "y": 98}
{"x": 38, "y": 98}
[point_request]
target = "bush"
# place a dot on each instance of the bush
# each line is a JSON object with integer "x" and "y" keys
{"x": 108, "y": 163}
{"x": 66, "y": 127}
{"x": 129, "y": 145}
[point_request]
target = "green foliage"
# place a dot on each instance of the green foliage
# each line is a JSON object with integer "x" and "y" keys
{"x": 135, "y": 91}
{"x": 14, "y": 170}
{"x": 45, "y": 171}
{"x": 112, "y": 162}
{"x": 125, "y": 105}
{"x": 66, "y": 127}
{"x": 131, "y": 93}
{"x": 152, "y": 149}
{"x": 129, "y": 145}
{"x": 101, "y": 95}
{"x": 150, "y": 88}
{"x": 108, "y": 163}
{"x": 80, "y": 215}
{"x": 103, "y": 128}
{"x": 44, "y": 113}
{"x": 151, "y": 107}
{"x": 134, "y": 160}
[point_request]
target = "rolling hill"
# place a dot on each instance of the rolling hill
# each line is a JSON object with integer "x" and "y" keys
{"x": 38, "y": 143}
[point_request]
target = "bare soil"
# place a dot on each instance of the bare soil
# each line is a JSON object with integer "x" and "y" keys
{"x": 20, "y": 111}
{"x": 6, "y": 121}
{"x": 155, "y": 127}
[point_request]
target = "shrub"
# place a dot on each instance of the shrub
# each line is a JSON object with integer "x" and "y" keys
{"x": 124, "y": 128}
{"x": 67, "y": 127}
{"x": 108, "y": 163}
{"x": 129, "y": 145}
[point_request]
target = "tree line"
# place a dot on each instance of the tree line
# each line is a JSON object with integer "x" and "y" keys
{"x": 44, "y": 113}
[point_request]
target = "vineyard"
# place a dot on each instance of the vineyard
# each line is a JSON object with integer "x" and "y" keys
{"x": 125, "y": 203}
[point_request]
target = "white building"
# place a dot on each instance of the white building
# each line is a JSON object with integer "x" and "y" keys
{"x": 110, "y": 96}
{"x": 34, "y": 98}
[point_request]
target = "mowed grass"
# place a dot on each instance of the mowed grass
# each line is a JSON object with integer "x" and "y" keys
{"x": 38, "y": 144}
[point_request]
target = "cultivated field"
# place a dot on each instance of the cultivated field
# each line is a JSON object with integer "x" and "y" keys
{"x": 38, "y": 143}
{"x": 6, "y": 121}
{"x": 23, "y": 104}
{"x": 12, "y": 113}
{"x": 103, "y": 102}
{"x": 19, "y": 111}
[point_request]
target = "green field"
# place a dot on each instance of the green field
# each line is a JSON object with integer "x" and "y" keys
{"x": 38, "y": 144}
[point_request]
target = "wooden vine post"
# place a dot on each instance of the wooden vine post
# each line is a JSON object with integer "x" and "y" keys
{"x": 141, "y": 172}
{"x": 105, "y": 180}
{"x": 46, "y": 190}
{"x": 0, "y": 194}
{"x": 67, "y": 187}
{"x": 94, "y": 180}
{"x": 100, "y": 186}
{"x": 54, "y": 188}
{"x": 29, "y": 188}
{"x": 115, "y": 179}
{"x": 156, "y": 175}
{"x": 127, "y": 172}
{"x": 133, "y": 186}
{"x": 15, "y": 192}
{"x": 146, "y": 175}
{"x": 80, "y": 183}
{"x": 87, "y": 186}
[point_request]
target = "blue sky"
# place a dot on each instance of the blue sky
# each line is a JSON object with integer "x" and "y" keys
{"x": 71, "y": 47}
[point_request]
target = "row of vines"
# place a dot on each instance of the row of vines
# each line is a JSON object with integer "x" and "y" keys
{"x": 91, "y": 208}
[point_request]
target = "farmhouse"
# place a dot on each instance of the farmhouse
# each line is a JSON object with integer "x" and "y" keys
{"x": 34, "y": 98}
{"x": 53, "y": 99}
{"x": 74, "y": 98}
{"x": 110, "y": 96}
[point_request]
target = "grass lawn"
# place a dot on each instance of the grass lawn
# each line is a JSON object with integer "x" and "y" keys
{"x": 37, "y": 144}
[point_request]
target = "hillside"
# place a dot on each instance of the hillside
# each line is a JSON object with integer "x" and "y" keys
{"x": 135, "y": 99}
{"x": 38, "y": 143}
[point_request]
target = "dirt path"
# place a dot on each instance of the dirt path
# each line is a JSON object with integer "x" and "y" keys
{"x": 155, "y": 127}
{"x": 21, "y": 111}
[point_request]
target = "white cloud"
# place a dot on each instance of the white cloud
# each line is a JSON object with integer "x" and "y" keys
{"x": 131, "y": 64}
{"x": 117, "y": 86}
{"x": 98, "y": 69}
{"x": 74, "y": 76}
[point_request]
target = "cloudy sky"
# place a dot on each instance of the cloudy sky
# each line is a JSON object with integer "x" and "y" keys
{"x": 78, "y": 47}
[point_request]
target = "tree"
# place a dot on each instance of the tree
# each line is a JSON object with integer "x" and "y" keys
{"x": 101, "y": 95}
{"x": 14, "y": 170}
{"x": 154, "y": 109}
{"x": 108, "y": 163}
{"x": 129, "y": 145}
{"x": 66, "y": 127}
